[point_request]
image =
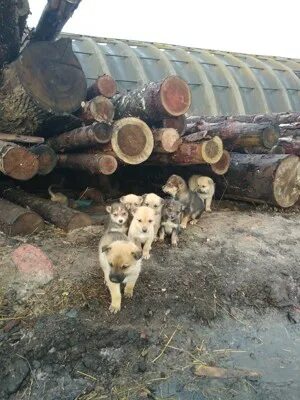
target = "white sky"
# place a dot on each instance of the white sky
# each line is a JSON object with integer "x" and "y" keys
{"x": 267, "y": 27}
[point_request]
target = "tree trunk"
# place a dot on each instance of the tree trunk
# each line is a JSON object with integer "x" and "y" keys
{"x": 47, "y": 158}
{"x": 178, "y": 123}
{"x": 287, "y": 146}
{"x": 61, "y": 216}
{"x": 98, "y": 109}
{"x": 98, "y": 163}
{"x": 290, "y": 130}
{"x": 275, "y": 118}
{"x": 10, "y": 137}
{"x": 236, "y": 135}
{"x": 270, "y": 178}
{"x": 44, "y": 83}
{"x": 222, "y": 166}
{"x": 15, "y": 220}
{"x": 166, "y": 140}
{"x": 86, "y": 136}
{"x": 132, "y": 140}
{"x": 105, "y": 86}
{"x": 155, "y": 101}
{"x": 17, "y": 162}
{"x": 54, "y": 17}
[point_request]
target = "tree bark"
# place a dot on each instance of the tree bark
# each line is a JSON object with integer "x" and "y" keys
{"x": 105, "y": 86}
{"x": 86, "y": 136}
{"x": 275, "y": 118}
{"x": 47, "y": 158}
{"x": 99, "y": 109}
{"x": 166, "y": 140}
{"x": 10, "y": 137}
{"x": 155, "y": 101}
{"x": 287, "y": 146}
{"x": 271, "y": 178}
{"x": 45, "y": 83}
{"x": 17, "y": 162}
{"x": 61, "y": 216}
{"x": 15, "y": 220}
{"x": 98, "y": 163}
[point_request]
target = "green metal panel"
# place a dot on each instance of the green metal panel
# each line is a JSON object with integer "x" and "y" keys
{"x": 221, "y": 83}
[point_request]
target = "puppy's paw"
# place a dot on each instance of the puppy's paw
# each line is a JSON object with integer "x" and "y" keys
{"x": 155, "y": 239}
{"x": 128, "y": 293}
{"x": 174, "y": 243}
{"x": 114, "y": 308}
{"x": 208, "y": 210}
{"x": 146, "y": 256}
{"x": 183, "y": 226}
{"x": 193, "y": 221}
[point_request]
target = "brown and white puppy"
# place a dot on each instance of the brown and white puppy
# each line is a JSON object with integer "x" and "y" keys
{"x": 156, "y": 203}
{"x": 120, "y": 260}
{"x": 131, "y": 202}
{"x": 193, "y": 205}
{"x": 118, "y": 218}
{"x": 170, "y": 220}
{"x": 141, "y": 230}
{"x": 204, "y": 187}
{"x": 58, "y": 197}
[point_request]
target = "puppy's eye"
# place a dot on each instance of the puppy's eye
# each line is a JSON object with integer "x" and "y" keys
{"x": 115, "y": 214}
{"x": 125, "y": 266}
{"x": 139, "y": 220}
{"x": 150, "y": 220}
{"x": 155, "y": 205}
{"x": 147, "y": 204}
{"x": 136, "y": 204}
{"x": 124, "y": 213}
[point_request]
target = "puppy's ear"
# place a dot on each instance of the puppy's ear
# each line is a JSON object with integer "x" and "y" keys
{"x": 105, "y": 249}
{"x": 122, "y": 199}
{"x": 137, "y": 254}
{"x": 108, "y": 209}
{"x": 141, "y": 198}
{"x": 162, "y": 201}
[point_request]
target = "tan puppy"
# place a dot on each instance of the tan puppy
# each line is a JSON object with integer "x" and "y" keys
{"x": 120, "y": 260}
{"x": 156, "y": 203}
{"x": 204, "y": 187}
{"x": 141, "y": 230}
{"x": 118, "y": 218}
{"x": 58, "y": 197}
{"x": 131, "y": 202}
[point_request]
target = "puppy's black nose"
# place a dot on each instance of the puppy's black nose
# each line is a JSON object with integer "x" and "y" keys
{"x": 145, "y": 229}
{"x": 121, "y": 221}
{"x": 116, "y": 278}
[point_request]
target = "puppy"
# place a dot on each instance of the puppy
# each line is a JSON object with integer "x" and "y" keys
{"x": 156, "y": 203}
{"x": 205, "y": 187}
{"x": 141, "y": 230}
{"x": 193, "y": 205}
{"x": 120, "y": 260}
{"x": 170, "y": 220}
{"x": 58, "y": 197}
{"x": 131, "y": 202}
{"x": 118, "y": 218}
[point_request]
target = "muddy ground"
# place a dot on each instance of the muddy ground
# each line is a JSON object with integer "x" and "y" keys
{"x": 228, "y": 296}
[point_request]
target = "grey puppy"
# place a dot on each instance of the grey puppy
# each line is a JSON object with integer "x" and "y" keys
{"x": 170, "y": 220}
{"x": 118, "y": 218}
{"x": 192, "y": 203}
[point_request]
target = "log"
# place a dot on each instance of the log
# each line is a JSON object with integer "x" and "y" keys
{"x": 98, "y": 109}
{"x": 275, "y": 118}
{"x": 15, "y": 220}
{"x": 290, "y": 129}
{"x": 267, "y": 178}
{"x": 98, "y": 163}
{"x": 155, "y": 101}
{"x": 104, "y": 85}
{"x": 236, "y": 135}
{"x": 17, "y": 162}
{"x": 287, "y": 146}
{"x": 59, "y": 215}
{"x": 132, "y": 140}
{"x": 166, "y": 140}
{"x": 54, "y": 17}
{"x": 98, "y": 133}
{"x": 45, "y": 83}
{"x": 222, "y": 166}
{"x": 178, "y": 123}
{"x": 47, "y": 158}
{"x": 9, "y": 137}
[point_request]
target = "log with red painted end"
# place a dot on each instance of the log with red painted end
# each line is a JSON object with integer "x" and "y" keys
{"x": 17, "y": 162}
{"x": 155, "y": 101}
{"x": 85, "y": 136}
{"x": 47, "y": 158}
{"x": 16, "y": 220}
{"x": 97, "y": 163}
{"x": 99, "y": 109}
{"x": 105, "y": 86}
{"x": 61, "y": 216}
{"x": 132, "y": 140}
{"x": 166, "y": 140}
{"x": 222, "y": 166}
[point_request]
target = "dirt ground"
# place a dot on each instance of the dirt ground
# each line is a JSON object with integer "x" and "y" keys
{"x": 228, "y": 296}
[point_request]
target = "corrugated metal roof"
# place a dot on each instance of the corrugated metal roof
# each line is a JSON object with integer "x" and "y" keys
{"x": 221, "y": 83}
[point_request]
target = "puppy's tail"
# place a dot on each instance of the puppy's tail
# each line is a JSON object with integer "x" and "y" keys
{"x": 50, "y": 191}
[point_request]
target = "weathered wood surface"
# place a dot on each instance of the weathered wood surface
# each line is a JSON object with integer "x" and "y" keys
{"x": 10, "y": 137}
{"x": 275, "y": 118}
{"x": 46, "y": 83}
{"x": 287, "y": 146}
{"x": 99, "y": 109}
{"x": 47, "y": 158}
{"x": 104, "y": 85}
{"x": 222, "y": 166}
{"x": 59, "y": 215}
{"x": 179, "y": 123}
{"x": 16, "y": 220}
{"x": 155, "y": 101}
{"x": 98, "y": 163}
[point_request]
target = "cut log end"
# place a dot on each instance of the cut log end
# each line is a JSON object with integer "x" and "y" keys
{"x": 178, "y": 123}
{"x": 20, "y": 164}
{"x": 270, "y": 136}
{"x": 99, "y": 109}
{"x": 222, "y": 166}
{"x": 105, "y": 85}
{"x": 108, "y": 164}
{"x": 102, "y": 132}
{"x": 175, "y": 96}
{"x": 286, "y": 186}
{"x": 47, "y": 158}
{"x": 212, "y": 150}
{"x": 132, "y": 140}
{"x": 167, "y": 140}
